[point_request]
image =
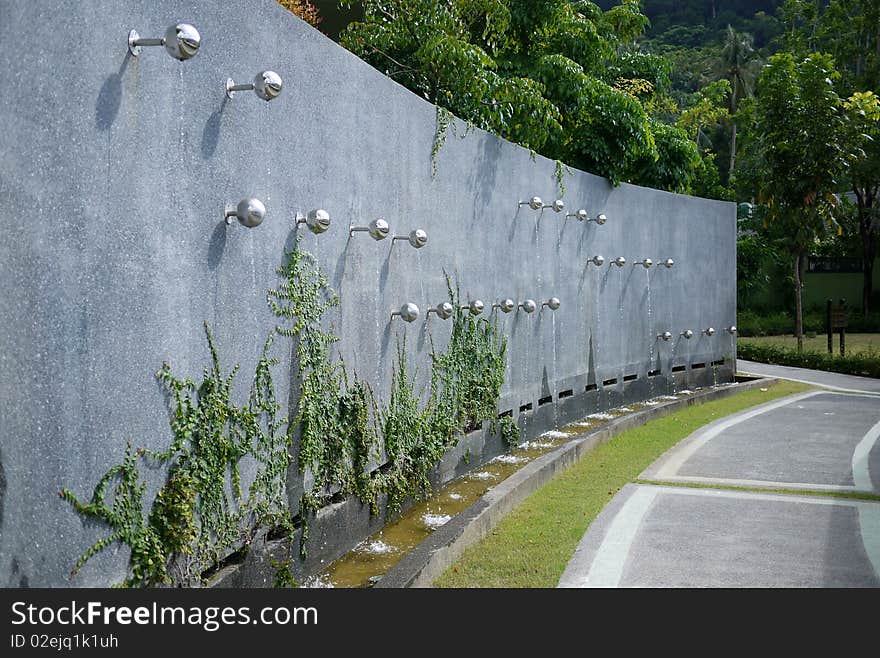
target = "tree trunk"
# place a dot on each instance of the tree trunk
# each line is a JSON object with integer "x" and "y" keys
{"x": 732, "y": 153}
{"x": 865, "y": 201}
{"x": 798, "y": 301}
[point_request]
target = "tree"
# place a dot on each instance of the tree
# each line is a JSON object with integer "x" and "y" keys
{"x": 850, "y": 31}
{"x": 564, "y": 79}
{"x": 802, "y": 138}
{"x": 738, "y": 65}
{"x": 304, "y": 9}
{"x": 707, "y": 110}
{"x": 865, "y": 176}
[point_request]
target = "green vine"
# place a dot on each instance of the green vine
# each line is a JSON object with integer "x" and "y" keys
{"x": 561, "y": 170}
{"x": 198, "y": 515}
{"x": 125, "y": 517}
{"x": 445, "y": 120}
{"x": 336, "y": 439}
{"x": 466, "y": 380}
{"x": 509, "y": 431}
{"x": 283, "y": 575}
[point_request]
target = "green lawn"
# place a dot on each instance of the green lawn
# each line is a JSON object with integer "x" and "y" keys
{"x": 533, "y": 544}
{"x": 854, "y": 342}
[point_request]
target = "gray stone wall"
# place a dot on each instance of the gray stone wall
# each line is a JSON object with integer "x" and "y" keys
{"x": 114, "y": 172}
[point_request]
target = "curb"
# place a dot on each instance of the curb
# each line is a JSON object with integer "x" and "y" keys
{"x": 427, "y": 561}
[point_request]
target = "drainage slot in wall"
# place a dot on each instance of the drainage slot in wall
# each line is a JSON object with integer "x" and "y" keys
{"x": 590, "y": 387}
{"x": 630, "y": 378}
{"x": 546, "y": 400}
{"x": 720, "y": 362}
{"x": 609, "y": 382}
{"x": 525, "y": 407}
{"x": 678, "y": 368}
{"x": 565, "y": 394}
{"x": 506, "y": 414}
{"x": 653, "y": 373}
{"x": 697, "y": 366}
{"x": 473, "y": 427}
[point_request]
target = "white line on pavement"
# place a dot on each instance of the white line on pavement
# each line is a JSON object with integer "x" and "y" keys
{"x": 829, "y": 387}
{"x": 860, "y": 466}
{"x": 607, "y": 567}
{"x": 869, "y": 527}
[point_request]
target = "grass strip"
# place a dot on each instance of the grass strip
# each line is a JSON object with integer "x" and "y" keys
{"x": 863, "y": 364}
{"x": 533, "y": 544}
{"x": 855, "y": 343}
{"x": 854, "y": 495}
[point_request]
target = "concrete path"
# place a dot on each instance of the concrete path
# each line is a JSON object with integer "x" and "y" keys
{"x": 663, "y": 534}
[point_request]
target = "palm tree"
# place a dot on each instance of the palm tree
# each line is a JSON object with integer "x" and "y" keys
{"x": 738, "y": 63}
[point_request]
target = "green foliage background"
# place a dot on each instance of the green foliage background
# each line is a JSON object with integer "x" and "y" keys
{"x": 566, "y": 80}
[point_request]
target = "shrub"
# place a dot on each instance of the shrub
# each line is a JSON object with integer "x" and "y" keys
{"x": 751, "y": 323}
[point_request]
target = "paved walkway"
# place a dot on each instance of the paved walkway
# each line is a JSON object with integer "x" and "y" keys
{"x": 726, "y": 533}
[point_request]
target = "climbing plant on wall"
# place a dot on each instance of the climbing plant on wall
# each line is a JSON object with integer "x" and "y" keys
{"x": 338, "y": 433}
{"x": 336, "y": 437}
{"x": 200, "y": 514}
{"x": 466, "y": 380}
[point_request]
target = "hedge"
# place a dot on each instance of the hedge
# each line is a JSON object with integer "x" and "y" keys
{"x": 750, "y": 323}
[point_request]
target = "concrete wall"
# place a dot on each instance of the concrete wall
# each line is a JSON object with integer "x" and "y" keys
{"x": 114, "y": 172}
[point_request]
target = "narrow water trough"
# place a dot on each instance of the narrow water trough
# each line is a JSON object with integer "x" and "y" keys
{"x": 416, "y": 547}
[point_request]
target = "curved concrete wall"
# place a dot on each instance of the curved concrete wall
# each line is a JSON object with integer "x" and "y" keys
{"x": 114, "y": 172}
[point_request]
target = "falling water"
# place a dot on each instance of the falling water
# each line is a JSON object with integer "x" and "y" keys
{"x": 651, "y": 333}
{"x": 527, "y": 363}
{"x": 672, "y": 385}
{"x": 555, "y": 374}
{"x": 714, "y": 372}
{"x": 598, "y": 333}
{"x": 383, "y": 314}
{"x": 670, "y": 326}
{"x": 621, "y": 320}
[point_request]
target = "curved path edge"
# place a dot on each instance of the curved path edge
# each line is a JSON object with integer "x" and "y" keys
{"x": 832, "y": 380}
{"x": 427, "y": 561}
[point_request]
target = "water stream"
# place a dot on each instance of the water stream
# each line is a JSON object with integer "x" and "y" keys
{"x": 373, "y": 557}
{"x": 554, "y": 376}
{"x": 597, "y": 335}
{"x": 652, "y": 337}
{"x": 672, "y": 384}
{"x": 378, "y": 553}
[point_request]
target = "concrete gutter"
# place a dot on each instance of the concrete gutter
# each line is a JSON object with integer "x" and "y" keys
{"x": 424, "y": 564}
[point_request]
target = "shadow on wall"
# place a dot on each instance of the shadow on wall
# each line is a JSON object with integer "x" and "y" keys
{"x": 110, "y": 98}
{"x": 211, "y": 133}
{"x": 484, "y": 179}
{"x": 16, "y": 578}
{"x": 2, "y": 491}
{"x": 217, "y": 245}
